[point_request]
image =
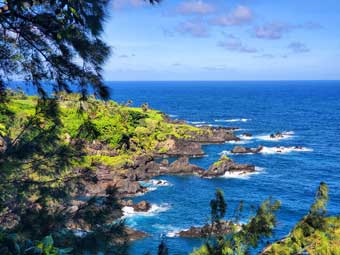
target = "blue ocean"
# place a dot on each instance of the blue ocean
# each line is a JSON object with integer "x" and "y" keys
{"x": 308, "y": 112}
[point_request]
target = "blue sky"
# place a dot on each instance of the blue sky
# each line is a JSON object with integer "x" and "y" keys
{"x": 224, "y": 40}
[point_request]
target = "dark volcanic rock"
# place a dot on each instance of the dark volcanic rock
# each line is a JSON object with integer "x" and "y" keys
{"x": 243, "y": 150}
{"x": 182, "y": 166}
{"x": 142, "y": 206}
{"x": 247, "y": 135}
{"x": 225, "y": 165}
{"x": 133, "y": 235}
{"x": 127, "y": 187}
{"x": 222, "y": 228}
{"x": 215, "y": 135}
{"x": 277, "y": 135}
{"x": 180, "y": 147}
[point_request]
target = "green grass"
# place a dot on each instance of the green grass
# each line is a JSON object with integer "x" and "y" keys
{"x": 221, "y": 160}
{"x": 130, "y": 131}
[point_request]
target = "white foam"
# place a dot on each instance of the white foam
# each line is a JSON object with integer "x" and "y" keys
{"x": 173, "y": 115}
{"x": 153, "y": 184}
{"x": 237, "y": 142}
{"x": 170, "y": 230}
{"x": 129, "y": 211}
{"x": 196, "y": 122}
{"x": 242, "y": 174}
{"x": 230, "y": 153}
{"x": 284, "y": 150}
{"x": 234, "y": 120}
{"x": 161, "y": 183}
{"x": 273, "y": 150}
{"x": 206, "y": 125}
{"x": 175, "y": 232}
{"x": 285, "y": 135}
{"x": 80, "y": 233}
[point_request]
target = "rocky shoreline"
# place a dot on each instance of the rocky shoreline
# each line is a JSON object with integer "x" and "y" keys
{"x": 221, "y": 228}
{"x": 127, "y": 180}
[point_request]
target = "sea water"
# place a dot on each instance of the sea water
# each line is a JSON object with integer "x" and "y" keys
{"x": 308, "y": 112}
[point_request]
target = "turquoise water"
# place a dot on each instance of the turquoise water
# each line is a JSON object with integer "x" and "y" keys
{"x": 308, "y": 111}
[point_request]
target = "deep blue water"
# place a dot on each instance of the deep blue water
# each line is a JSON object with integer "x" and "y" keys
{"x": 309, "y": 109}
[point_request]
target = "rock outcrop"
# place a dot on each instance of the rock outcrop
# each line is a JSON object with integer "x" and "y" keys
{"x": 277, "y": 135}
{"x": 212, "y": 135}
{"x": 226, "y": 165}
{"x": 142, "y": 206}
{"x": 174, "y": 147}
{"x": 182, "y": 166}
{"x": 221, "y": 228}
{"x": 245, "y": 150}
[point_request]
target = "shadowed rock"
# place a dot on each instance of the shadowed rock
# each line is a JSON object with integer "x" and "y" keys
{"x": 224, "y": 165}
{"x": 244, "y": 150}
{"x": 221, "y": 228}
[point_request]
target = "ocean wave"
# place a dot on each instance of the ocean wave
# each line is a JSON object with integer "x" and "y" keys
{"x": 197, "y": 122}
{"x": 284, "y": 150}
{"x": 206, "y": 125}
{"x": 237, "y": 142}
{"x": 268, "y": 137}
{"x": 242, "y": 175}
{"x": 172, "y": 115}
{"x": 153, "y": 184}
{"x": 129, "y": 211}
{"x": 273, "y": 150}
{"x": 233, "y": 120}
{"x": 175, "y": 232}
{"x": 169, "y": 230}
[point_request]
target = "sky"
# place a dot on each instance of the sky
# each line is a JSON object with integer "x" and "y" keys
{"x": 223, "y": 40}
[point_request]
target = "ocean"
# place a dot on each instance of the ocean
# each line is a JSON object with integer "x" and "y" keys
{"x": 307, "y": 111}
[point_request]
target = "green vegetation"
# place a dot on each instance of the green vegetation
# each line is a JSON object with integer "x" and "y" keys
{"x": 12, "y": 245}
{"x": 242, "y": 238}
{"x": 221, "y": 160}
{"x": 314, "y": 234}
{"x": 127, "y": 130}
{"x": 48, "y": 146}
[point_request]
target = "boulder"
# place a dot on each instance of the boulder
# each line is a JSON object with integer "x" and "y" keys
{"x": 142, "y": 206}
{"x": 174, "y": 147}
{"x": 244, "y": 150}
{"x": 127, "y": 187}
{"x": 221, "y": 228}
{"x": 247, "y": 135}
{"x": 276, "y": 136}
{"x": 182, "y": 166}
{"x": 225, "y": 165}
{"x": 214, "y": 135}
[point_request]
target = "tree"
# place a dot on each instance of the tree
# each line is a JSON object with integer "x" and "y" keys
{"x": 244, "y": 237}
{"x": 54, "y": 41}
{"x": 55, "y": 46}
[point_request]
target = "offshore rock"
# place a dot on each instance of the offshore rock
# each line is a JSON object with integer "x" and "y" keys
{"x": 224, "y": 165}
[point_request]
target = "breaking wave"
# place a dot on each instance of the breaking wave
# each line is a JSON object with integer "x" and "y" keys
{"x": 233, "y": 120}
{"x": 129, "y": 211}
{"x": 270, "y": 137}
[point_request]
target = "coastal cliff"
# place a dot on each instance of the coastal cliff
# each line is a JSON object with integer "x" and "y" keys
{"x": 119, "y": 146}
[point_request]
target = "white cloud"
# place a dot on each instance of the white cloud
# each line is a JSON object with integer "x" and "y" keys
{"x": 298, "y": 47}
{"x": 233, "y": 43}
{"x": 195, "y": 28}
{"x": 195, "y": 7}
{"x": 239, "y": 16}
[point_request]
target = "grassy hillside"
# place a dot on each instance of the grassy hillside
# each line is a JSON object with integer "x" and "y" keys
{"x": 128, "y": 131}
